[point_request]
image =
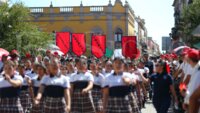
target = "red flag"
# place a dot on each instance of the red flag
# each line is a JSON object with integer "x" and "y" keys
{"x": 129, "y": 46}
{"x": 98, "y": 45}
{"x": 63, "y": 41}
{"x": 78, "y": 43}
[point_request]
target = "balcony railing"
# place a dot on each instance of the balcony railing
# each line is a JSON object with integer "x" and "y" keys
{"x": 36, "y": 10}
{"x": 66, "y": 9}
{"x": 96, "y": 9}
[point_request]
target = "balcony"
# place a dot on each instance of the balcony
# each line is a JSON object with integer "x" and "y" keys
{"x": 47, "y": 10}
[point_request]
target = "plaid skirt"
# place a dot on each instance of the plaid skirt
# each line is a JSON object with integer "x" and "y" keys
{"x": 82, "y": 103}
{"x": 119, "y": 105}
{"x": 38, "y": 108}
{"x": 25, "y": 100}
{"x": 136, "y": 98}
{"x": 10, "y": 105}
{"x": 54, "y": 105}
{"x": 134, "y": 104}
{"x": 97, "y": 99}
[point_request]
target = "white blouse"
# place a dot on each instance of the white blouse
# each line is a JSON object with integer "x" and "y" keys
{"x": 61, "y": 80}
{"x": 4, "y": 83}
{"x": 87, "y": 76}
{"x": 116, "y": 80}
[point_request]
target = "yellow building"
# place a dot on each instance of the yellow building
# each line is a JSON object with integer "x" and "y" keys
{"x": 112, "y": 20}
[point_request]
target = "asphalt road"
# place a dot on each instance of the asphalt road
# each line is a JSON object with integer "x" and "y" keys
{"x": 150, "y": 109}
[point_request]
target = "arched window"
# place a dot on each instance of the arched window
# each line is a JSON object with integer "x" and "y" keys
{"x": 118, "y": 38}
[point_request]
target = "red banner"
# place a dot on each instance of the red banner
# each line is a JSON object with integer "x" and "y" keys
{"x": 98, "y": 45}
{"x": 78, "y": 44}
{"x": 129, "y": 46}
{"x": 63, "y": 41}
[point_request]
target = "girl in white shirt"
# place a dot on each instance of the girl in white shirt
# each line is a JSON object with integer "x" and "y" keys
{"x": 10, "y": 90}
{"x": 57, "y": 90}
{"x": 117, "y": 90}
{"x": 97, "y": 87}
{"x": 81, "y": 86}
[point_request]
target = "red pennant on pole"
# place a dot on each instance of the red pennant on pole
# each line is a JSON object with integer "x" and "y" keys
{"x": 78, "y": 43}
{"x": 98, "y": 45}
{"x": 129, "y": 46}
{"x": 63, "y": 41}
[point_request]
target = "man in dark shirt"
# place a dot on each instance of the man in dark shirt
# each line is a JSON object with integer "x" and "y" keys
{"x": 150, "y": 65}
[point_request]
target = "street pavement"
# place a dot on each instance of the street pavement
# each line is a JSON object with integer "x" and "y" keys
{"x": 150, "y": 109}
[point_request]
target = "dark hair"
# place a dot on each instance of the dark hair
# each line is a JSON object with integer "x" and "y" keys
{"x": 10, "y": 63}
{"x": 195, "y": 60}
{"x": 164, "y": 65}
{"x": 126, "y": 65}
{"x": 118, "y": 58}
{"x": 21, "y": 65}
{"x": 42, "y": 66}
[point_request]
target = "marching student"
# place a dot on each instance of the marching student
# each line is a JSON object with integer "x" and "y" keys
{"x": 10, "y": 84}
{"x": 56, "y": 87}
{"x": 41, "y": 71}
{"x": 25, "y": 94}
{"x": 132, "y": 97}
{"x": 108, "y": 68}
{"x": 139, "y": 86}
{"x": 97, "y": 88}
{"x": 28, "y": 67}
{"x": 81, "y": 86}
{"x": 116, "y": 92}
{"x": 70, "y": 68}
{"x": 63, "y": 69}
{"x": 33, "y": 70}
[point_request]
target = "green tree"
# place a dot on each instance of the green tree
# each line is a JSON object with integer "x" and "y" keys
{"x": 17, "y": 33}
{"x": 191, "y": 19}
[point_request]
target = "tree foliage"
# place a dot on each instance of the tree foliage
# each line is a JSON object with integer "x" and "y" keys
{"x": 17, "y": 33}
{"x": 191, "y": 19}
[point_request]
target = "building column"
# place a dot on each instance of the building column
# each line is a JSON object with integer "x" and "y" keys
{"x": 110, "y": 39}
{"x": 81, "y": 12}
{"x": 126, "y": 20}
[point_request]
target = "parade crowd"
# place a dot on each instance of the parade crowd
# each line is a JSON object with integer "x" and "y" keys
{"x": 67, "y": 84}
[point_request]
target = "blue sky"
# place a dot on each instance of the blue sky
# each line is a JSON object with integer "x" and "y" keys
{"x": 158, "y": 14}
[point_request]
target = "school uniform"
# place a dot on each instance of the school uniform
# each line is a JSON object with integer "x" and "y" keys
{"x": 105, "y": 73}
{"x": 134, "y": 100}
{"x": 69, "y": 75}
{"x": 140, "y": 97}
{"x": 30, "y": 73}
{"x": 81, "y": 103}
{"x": 54, "y": 93}
{"x": 97, "y": 92}
{"x": 9, "y": 96}
{"x": 36, "y": 84}
{"x": 120, "y": 97}
{"x": 25, "y": 95}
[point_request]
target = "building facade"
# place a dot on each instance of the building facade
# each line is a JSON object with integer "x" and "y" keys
{"x": 167, "y": 44}
{"x": 142, "y": 34}
{"x": 153, "y": 47}
{"x": 113, "y": 20}
{"x": 177, "y": 31}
